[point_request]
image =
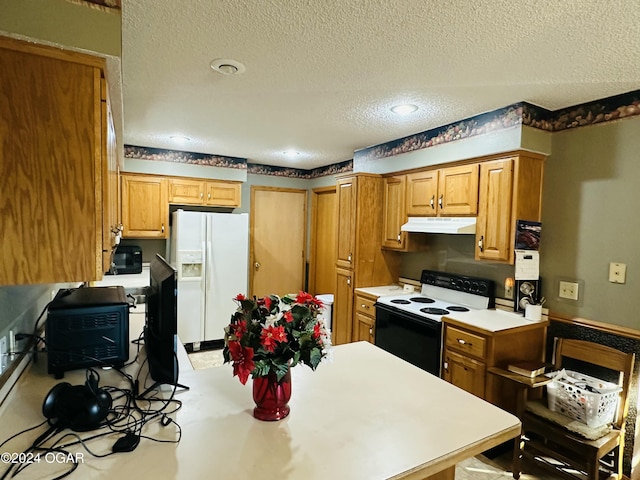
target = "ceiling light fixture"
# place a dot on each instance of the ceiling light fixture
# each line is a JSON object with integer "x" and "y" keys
{"x": 291, "y": 153}
{"x": 404, "y": 109}
{"x": 226, "y": 66}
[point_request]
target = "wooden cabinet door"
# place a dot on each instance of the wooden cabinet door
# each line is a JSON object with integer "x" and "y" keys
{"x": 464, "y": 372}
{"x": 110, "y": 191}
{"x": 50, "y": 165}
{"x": 458, "y": 190}
{"x": 184, "y": 191}
{"x": 363, "y": 328}
{"x": 343, "y": 306}
{"x": 494, "y": 228}
{"x": 346, "y": 232}
{"x": 422, "y": 194}
{"x": 223, "y": 194}
{"x": 145, "y": 209}
{"x": 394, "y": 213}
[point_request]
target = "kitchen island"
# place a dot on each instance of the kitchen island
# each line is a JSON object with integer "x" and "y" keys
{"x": 364, "y": 415}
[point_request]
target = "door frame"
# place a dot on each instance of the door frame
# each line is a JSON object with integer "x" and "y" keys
{"x": 315, "y": 193}
{"x": 252, "y": 217}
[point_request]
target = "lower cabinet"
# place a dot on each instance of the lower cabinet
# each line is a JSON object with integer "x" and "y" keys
{"x": 364, "y": 320}
{"x": 343, "y": 307}
{"x": 470, "y": 351}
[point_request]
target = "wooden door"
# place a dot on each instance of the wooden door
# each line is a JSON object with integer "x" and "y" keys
{"x": 277, "y": 245}
{"x": 343, "y": 307}
{"x": 394, "y": 212}
{"x": 145, "y": 206}
{"x": 346, "y": 234}
{"x": 322, "y": 260}
{"x": 493, "y": 230}
{"x": 458, "y": 190}
{"x": 422, "y": 193}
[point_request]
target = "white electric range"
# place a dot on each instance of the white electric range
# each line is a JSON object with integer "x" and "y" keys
{"x": 409, "y": 325}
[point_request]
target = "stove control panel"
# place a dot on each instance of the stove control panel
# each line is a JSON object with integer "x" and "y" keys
{"x": 460, "y": 283}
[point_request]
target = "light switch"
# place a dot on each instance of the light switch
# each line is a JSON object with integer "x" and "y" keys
{"x": 617, "y": 272}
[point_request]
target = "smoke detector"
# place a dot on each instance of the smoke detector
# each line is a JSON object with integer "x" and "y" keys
{"x": 227, "y": 66}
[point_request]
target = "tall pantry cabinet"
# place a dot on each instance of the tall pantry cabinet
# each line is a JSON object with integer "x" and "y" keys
{"x": 58, "y": 178}
{"x": 360, "y": 260}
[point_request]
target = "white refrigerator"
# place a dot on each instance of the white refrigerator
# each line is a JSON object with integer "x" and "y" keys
{"x": 210, "y": 252}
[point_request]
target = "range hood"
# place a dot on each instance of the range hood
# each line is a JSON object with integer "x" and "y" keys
{"x": 455, "y": 225}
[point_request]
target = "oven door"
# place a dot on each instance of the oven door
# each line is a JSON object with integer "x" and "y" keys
{"x": 415, "y": 339}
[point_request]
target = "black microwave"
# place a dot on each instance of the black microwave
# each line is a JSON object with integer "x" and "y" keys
{"x": 127, "y": 259}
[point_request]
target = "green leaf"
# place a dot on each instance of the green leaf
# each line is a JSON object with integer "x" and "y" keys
{"x": 315, "y": 357}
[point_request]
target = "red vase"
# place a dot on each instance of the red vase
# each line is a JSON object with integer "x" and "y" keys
{"x": 271, "y": 396}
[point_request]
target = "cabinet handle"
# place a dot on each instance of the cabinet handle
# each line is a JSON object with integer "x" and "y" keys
{"x": 201, "y": 195}
{"x": 163, "y": 228}
{"x": 349, "y": 257}
{"x": 446, "y": 366}
{"x": 432, "y": 202}
{"x": 462, "y": 342}
{"x": 209, "y": 196}
{"x": 399, "y": 238}
{"x": 348, "y": 280}
{"x": 481, "y": 243}
{"x": 370, "y": 330}
{"x": 364, "y": 306}
{"x": 440, "y": 201}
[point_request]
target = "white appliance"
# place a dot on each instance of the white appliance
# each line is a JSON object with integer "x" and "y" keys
{"x": 210, "y": 251}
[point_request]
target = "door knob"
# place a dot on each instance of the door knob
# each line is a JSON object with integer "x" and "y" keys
{"x": 257, "y": 265}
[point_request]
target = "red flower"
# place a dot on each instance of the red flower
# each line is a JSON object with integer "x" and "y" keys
{"x": 267, "y": 303}
{"x": 271, "y": 336}
{"x": 305, "y": 298}
{"x": 242, "y": 358}
{"x": 288, "y": 317}
{"x": 316, "y": 331}
{"x": 239, "y": 328}
{"x": 240, "y": 297}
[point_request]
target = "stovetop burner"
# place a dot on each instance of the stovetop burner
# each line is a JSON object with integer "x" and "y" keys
{"x": 434, "y": 311}
{"x": 400, "y": 301}
{"x": 457, "y": 308}
{"x": 422, "y": 300}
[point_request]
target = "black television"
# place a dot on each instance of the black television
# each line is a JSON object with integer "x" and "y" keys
{"x": 161, "y": 324}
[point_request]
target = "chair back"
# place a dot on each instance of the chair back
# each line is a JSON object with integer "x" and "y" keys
{"x": 603, "y": 356}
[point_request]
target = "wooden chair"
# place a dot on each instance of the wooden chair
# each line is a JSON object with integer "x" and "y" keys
{"x": 556, "y": 449}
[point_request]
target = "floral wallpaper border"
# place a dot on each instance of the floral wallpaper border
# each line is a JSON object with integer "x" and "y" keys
{"x": 107, "y": 5}
{"x": 522, "y": 113}
{"x": 202, "y": 159}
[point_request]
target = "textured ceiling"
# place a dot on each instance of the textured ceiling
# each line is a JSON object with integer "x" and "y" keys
{"x": 321, "y": 75}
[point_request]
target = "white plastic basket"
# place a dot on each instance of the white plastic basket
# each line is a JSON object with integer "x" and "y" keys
{"x": 587, "y": 399}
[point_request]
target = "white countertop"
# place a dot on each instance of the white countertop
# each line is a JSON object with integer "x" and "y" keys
{"x": 131, "y": 280}
{"x": 380, "y": 291}
{"x": 367, "y": 415}
{"x": 492, "y": 320}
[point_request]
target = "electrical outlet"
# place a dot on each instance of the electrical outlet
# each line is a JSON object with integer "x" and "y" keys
{"x": 568, "y": 290}
{"x": 617, "y": 272}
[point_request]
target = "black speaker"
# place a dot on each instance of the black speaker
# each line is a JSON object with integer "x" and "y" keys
{"x": 79, "y": 407}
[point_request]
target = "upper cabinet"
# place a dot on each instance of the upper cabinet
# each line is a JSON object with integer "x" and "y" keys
{"x": 451, "y": 191}
{"x": 395, "y": 215}
{"x": 145, "y": 208}
{"x": 510, "y": 190}
{"x": 213, "y": 193}
{"x": 58, "y": 170}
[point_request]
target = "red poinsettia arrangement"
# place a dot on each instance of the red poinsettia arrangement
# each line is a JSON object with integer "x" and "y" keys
{"x": 272, "y": 334}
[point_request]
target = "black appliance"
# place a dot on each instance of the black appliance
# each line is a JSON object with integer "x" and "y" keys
{"x": 127, "y": 259}
{"x": 409, "y": 325}
{"x": 85, "y": 327}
